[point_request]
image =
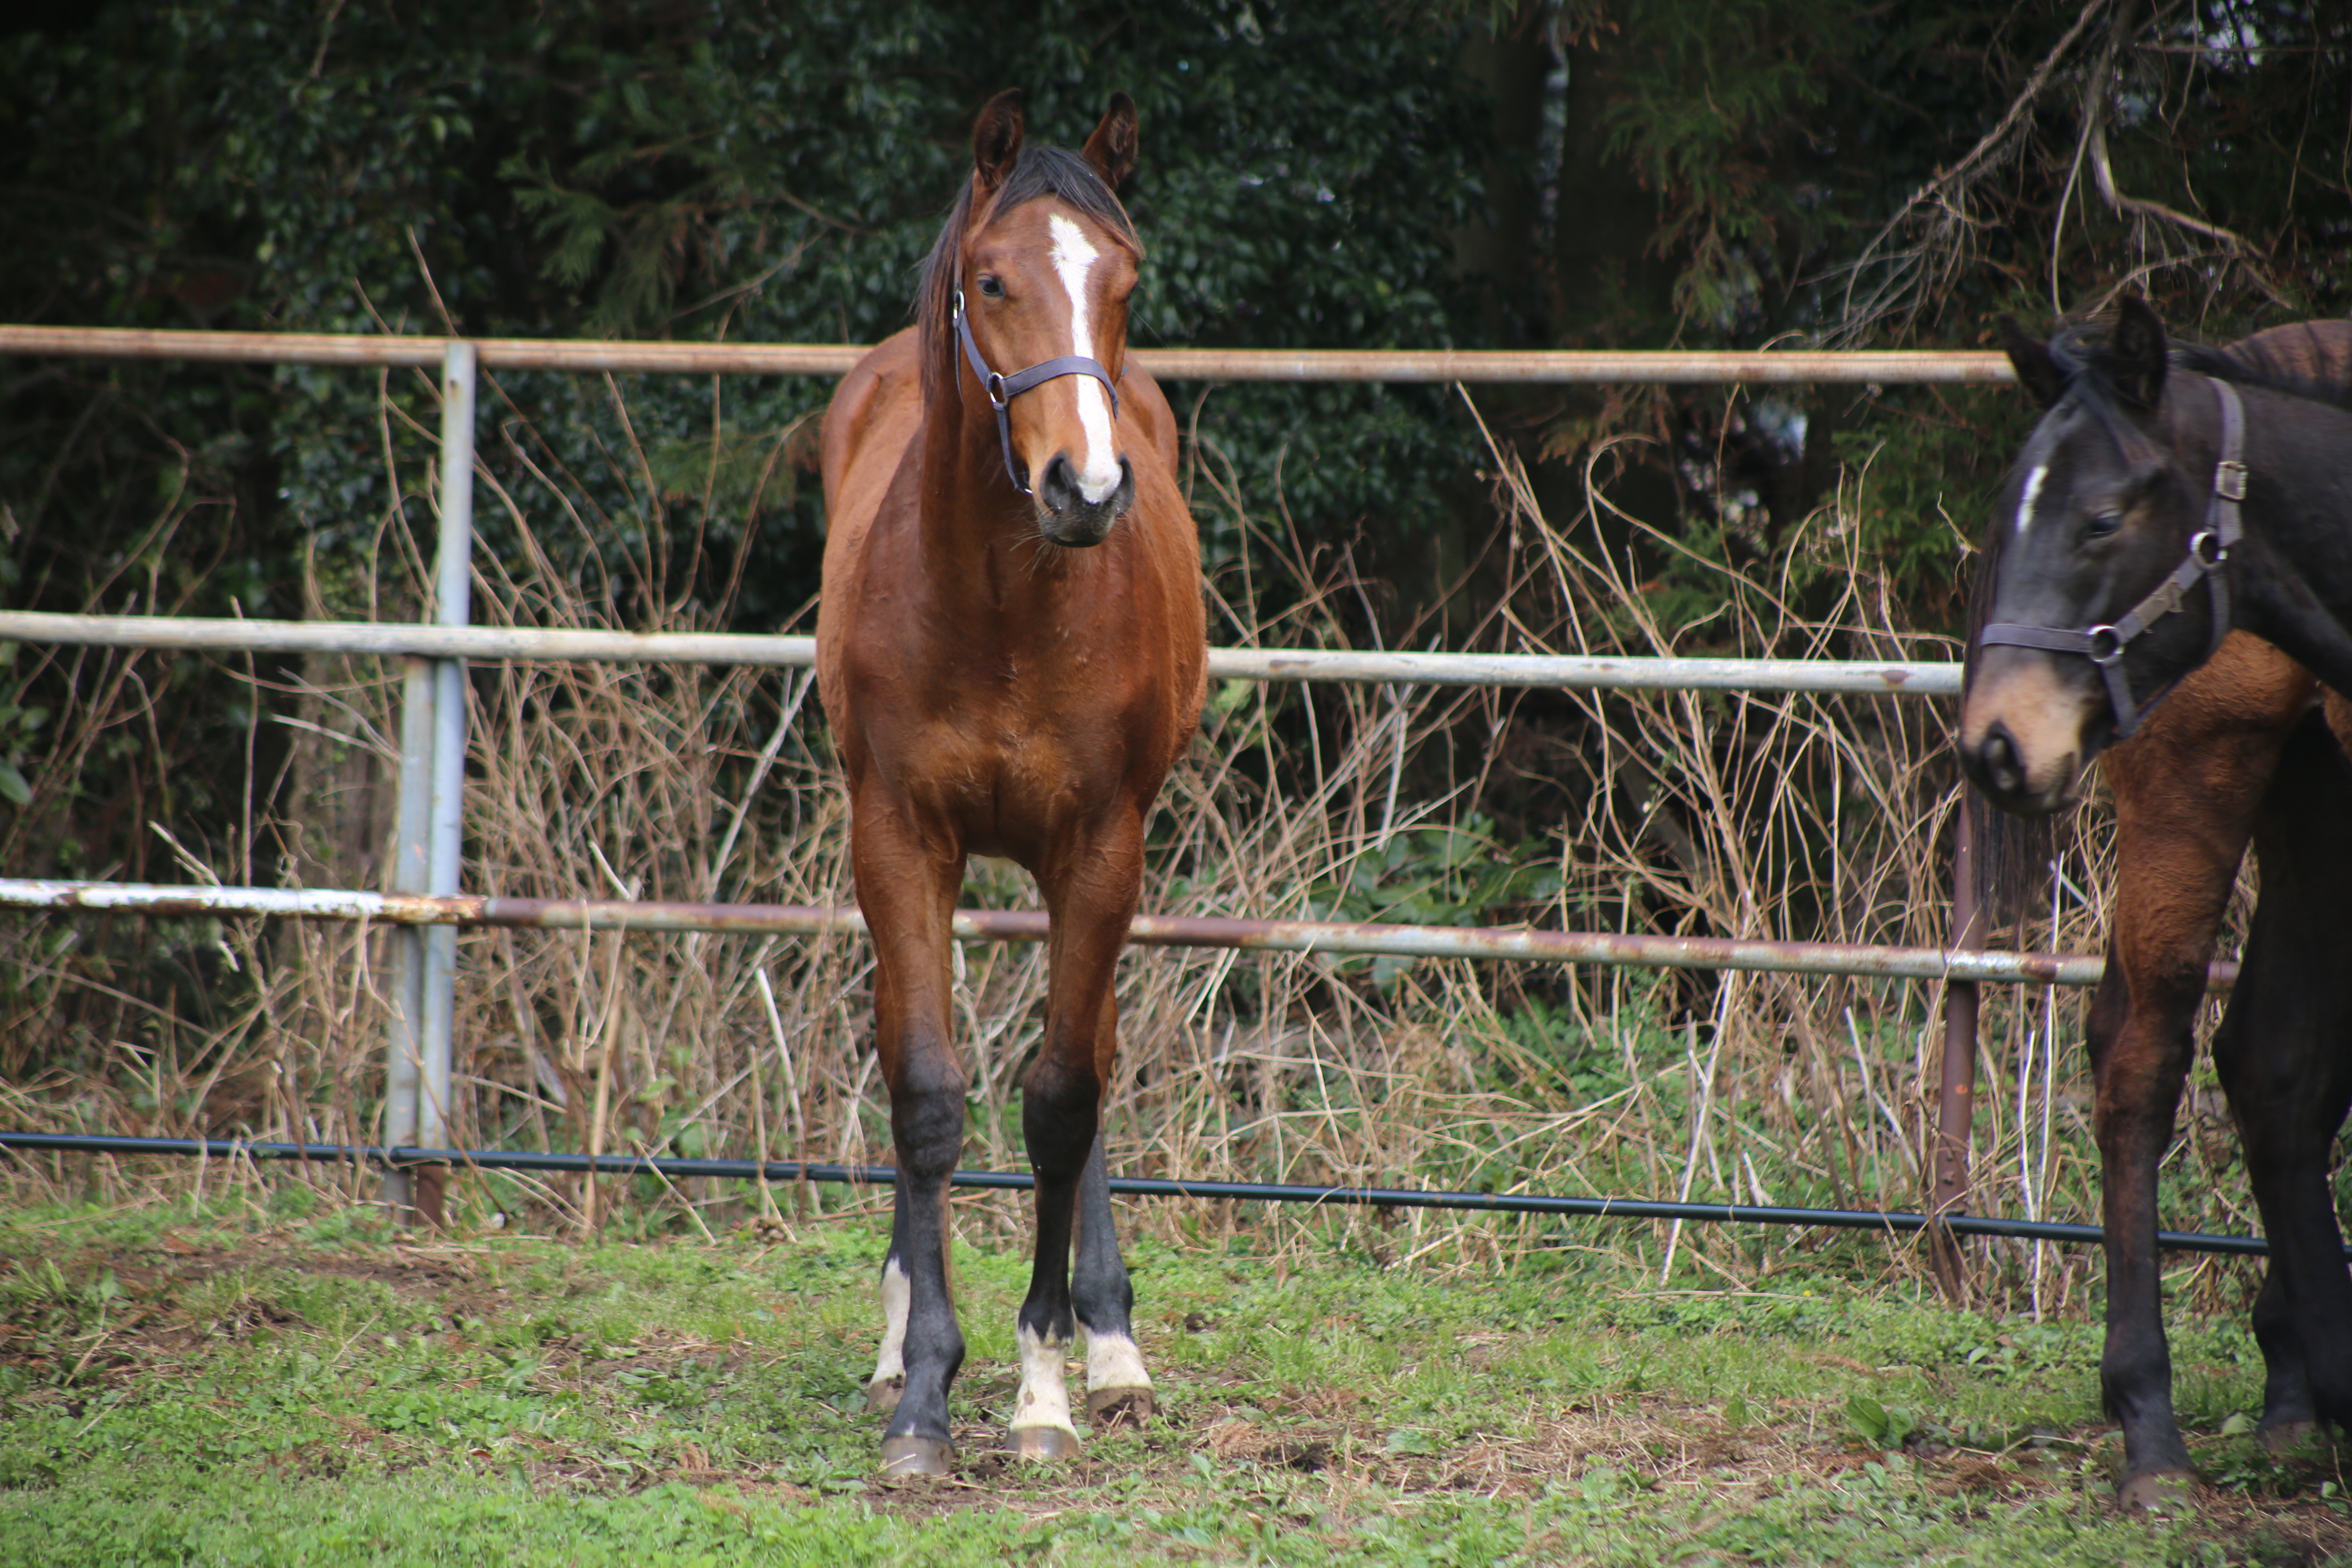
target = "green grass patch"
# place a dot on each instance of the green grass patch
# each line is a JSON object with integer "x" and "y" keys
{"x": 314, "y": 1390}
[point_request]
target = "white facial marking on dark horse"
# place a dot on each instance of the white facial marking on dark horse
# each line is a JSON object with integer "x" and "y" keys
{"x": 2032, "y": 491}
{"x": 1098, "y": 464}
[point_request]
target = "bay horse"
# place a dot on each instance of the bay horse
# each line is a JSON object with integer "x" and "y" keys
{"x": 1012, "y": 650}
{"x": 2234, "y": 753}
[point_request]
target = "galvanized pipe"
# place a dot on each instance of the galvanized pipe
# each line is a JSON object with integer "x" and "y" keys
{"x": 783, "y": 1171}
{"x": 1927, "y": 366}
{"x": 1337, "y": 937}
{"x": 411, "y": 878}
{"x": 453, "y": 595}
{"x": 1866, "y": 678}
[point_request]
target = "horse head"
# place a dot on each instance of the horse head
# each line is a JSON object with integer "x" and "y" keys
{"x": 2099, "y": 586}
{"x": 1043, "y": 264}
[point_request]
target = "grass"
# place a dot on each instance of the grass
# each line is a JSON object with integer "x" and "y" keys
{"x": 278, "y": 1380}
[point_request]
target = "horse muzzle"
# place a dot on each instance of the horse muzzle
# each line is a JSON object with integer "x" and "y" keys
{"x": 2025, "y": 734}
{"x": 1067, "y": 516}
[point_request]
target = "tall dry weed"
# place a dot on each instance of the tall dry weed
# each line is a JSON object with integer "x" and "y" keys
{"x": 1775, "y": 817}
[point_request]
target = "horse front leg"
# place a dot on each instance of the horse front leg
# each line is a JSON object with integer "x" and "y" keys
{"x": 1090, "y": 889}
{"x": 907, "y": 884}
{"x": 1119, "y": 1389}
{"x": 2140, "y": 1045}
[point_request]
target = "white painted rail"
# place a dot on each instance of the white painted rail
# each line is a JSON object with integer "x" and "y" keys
{"x": 1568, "y": 671}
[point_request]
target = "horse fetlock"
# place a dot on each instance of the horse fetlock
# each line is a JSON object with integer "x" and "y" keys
{"x": 883, "y": 1393}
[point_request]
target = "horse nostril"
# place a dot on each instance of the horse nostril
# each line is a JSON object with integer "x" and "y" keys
{"x": 1999, "y": 755}
{"x": 1059, "y": 488}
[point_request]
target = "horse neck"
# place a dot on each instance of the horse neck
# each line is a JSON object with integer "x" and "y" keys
{"x": 2295, "y": 573}
{"x": 980, "y": 538}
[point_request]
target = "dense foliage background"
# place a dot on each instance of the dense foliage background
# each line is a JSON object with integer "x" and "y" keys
{"x": 1408, "y": 173}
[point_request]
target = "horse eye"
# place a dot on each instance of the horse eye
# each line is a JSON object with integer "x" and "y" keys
{"x": 2102, "y": 524}
{"x": 992, "y": 287}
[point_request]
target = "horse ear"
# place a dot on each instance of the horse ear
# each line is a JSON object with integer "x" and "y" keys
{"x": 996, "y": 141}
{"x": 2030, "y": 357}
{"x": 1112, "y": 149}
{"x": 2136, "y": 353}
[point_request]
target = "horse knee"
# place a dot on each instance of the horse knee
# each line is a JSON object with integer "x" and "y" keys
{"x": 927, "y": 1117}
{"x": 1059, "y": 1106}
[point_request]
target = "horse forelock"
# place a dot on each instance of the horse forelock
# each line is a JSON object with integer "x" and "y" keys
{"x": 1040, "y": 171}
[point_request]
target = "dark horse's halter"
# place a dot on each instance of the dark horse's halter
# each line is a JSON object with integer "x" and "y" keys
{"x": 2208, "y": 554}
{"x": 1003, "y": 389}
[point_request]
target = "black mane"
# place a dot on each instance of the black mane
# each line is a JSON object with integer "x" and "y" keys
{"x": 2310, "y": 360}
{"x": 1040, "y": 171}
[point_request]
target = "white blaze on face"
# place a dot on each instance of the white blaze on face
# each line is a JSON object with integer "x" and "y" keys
{"x": 1098, "y": 465}
{"x": 1113, "y": 1361}
{"x": 1044, "y": 1397}
{"x": 896, "y": 1296}
{"x": 2033, "y": 492}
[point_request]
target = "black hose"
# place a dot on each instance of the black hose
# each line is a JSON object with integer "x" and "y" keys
{"x": 781, "y": 1170}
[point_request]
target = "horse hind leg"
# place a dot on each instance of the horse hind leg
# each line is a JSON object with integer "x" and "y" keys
{"x": 2284, "y": 1055}
{"x": 1119, "y": 1389}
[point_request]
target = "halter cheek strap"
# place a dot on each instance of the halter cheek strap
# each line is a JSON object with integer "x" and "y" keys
{"x": 2208, "y": 560}
{"x": 1003, "y": 389}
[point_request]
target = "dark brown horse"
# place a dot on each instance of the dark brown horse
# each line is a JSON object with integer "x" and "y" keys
{"x": 2234, "y": 753}
{"x": 1012, "y": 650}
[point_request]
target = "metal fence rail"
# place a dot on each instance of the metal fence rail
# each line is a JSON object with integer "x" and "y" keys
{"x": 1946, "y": 366}
{"x": 784, "y": 1172}
{"x": 190, "y": 633}
{"x": 1351, "y": 937}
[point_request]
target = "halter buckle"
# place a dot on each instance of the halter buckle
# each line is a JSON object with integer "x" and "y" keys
{"x": 2102, "y": 645}
{"x": 2229, "y": 479}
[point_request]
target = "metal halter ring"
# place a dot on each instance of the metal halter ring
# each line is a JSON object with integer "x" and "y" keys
{"x": 2104, "y": 645}
{"x": 2207, "y": 546}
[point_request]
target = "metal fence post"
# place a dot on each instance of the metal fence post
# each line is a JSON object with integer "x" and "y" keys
{"x": 1956, "y": 1104}
{"x": 453, "y": 605}
{"x": 404, "y": 1038}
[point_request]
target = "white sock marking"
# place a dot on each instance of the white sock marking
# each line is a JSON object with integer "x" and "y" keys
{"x": 2033, "y": 492}
{"x": 1113, "y": 1361}
{"x": 896, "y": 1295}
{"x": 1098, "y": 466}
{"x": 1044, "y": 1397}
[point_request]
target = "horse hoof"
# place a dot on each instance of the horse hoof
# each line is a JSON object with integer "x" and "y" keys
{"x": 1051, "y": 1444}
{"x": 2287, "y": 1435}
{"x": 1116, "y": 1407}
{"x": 882, "y": 1395}
{"x": 912, "y": 1455}
{"x": 2157, "y": 1492}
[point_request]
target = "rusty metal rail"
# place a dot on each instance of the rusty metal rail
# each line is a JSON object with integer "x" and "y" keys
{"x": 1403, "y": 365}
{"x": 1349, "y": 938}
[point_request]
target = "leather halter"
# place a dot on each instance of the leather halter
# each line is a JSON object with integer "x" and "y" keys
{"x": 1003, "y": 389}
{"x": 2208, "y": 558}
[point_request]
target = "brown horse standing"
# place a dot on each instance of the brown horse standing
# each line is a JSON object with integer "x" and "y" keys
{"x": 2235, "y": 753}
{"x": 1013, "y": 652}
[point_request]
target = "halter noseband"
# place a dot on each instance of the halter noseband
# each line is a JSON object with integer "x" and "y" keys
{"x": 2208, "y": 555}
{"x": 1003, "y": 389}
